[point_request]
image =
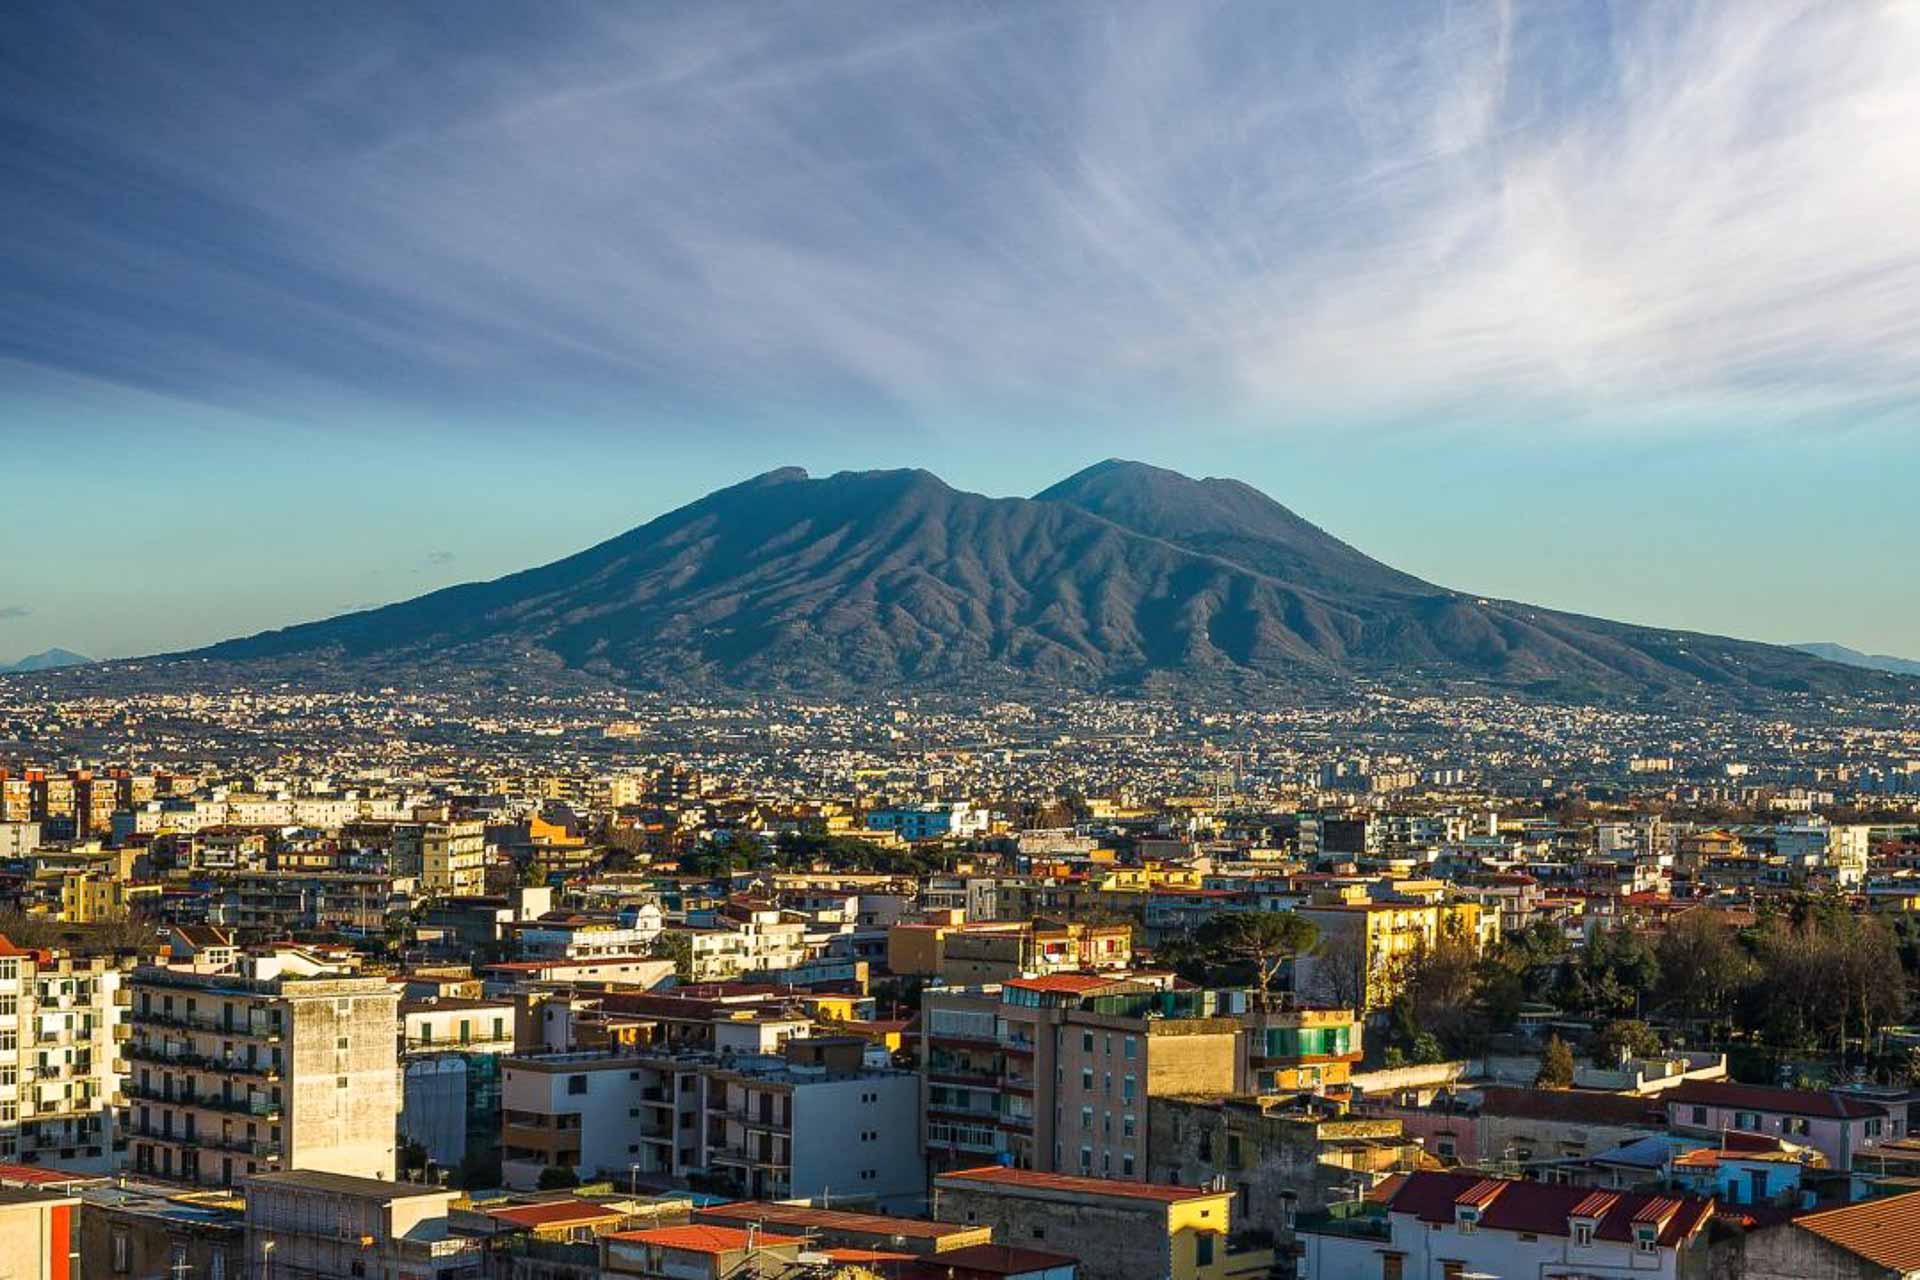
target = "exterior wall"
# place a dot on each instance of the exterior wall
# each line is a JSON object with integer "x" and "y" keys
{"x": 1786, "y": 1252}
{"x": 148, "y": 1243}
{"x": 344, "y": 1099}
{"x": 1112, "y": 1244}
{"x": 858, "y": 1139}
{"x": 39, "y": 1237}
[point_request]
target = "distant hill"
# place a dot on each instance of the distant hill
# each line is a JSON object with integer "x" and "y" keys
{"x": 1123, "y": 576}
{"x": 49, "y": 660}
{"x": 1854, "y": 658}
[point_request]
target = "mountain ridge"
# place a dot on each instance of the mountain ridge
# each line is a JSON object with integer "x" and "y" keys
{"x": 1121, "y": 576}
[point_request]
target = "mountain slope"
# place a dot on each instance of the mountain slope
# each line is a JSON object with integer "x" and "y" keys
{"x": 1413, "y": 626}
{"x": 46, "y": 660}
{"x": 1121, "y": 576}
{"x": 1854, "y": 658}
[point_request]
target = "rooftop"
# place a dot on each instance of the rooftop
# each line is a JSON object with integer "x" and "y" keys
{"x": 1885, "y": 1232}
{"x": 1108, "y": 1188}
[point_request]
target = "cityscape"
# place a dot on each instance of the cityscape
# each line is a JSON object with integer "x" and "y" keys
{"x": 474, "y": 807}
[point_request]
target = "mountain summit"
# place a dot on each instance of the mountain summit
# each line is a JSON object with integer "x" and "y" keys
{"x": 1121, "y": 576}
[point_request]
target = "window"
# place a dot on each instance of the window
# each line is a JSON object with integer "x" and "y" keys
{"x": 1466, "y": 1219}
{"x": 1126, "y": 1089}
{"x": 1393, "y": 1266}
{"x": 1699, "y": 1115}
{"x": 1086, "y": 1042}
{"x": 1126, "y": 1163}
{"x": 1646, "y": 1237}
{"x": 1086, "y": 1117}
{"x": 1086, "y": 1079}
{"x": 1583, "y": 1233}
{"x": 1794, "y": 1125}
{"x": 1749, "y": 1120}
{"x": 576, "y": 1084}
{"x": 1203, "y": 1249}
{"x": 1126, "y": 1126}
{"x": 1086, "y": 1159}
{"x": 121, "y": 1261}
{"x": 1875, "y": 1126}
{"x": 1128, "y": 1048}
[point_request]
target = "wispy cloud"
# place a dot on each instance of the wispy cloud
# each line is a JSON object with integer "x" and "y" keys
{"x": 440, "y": 557}
{"x": 1639, "y": 215}
{"x": 9, "y": 612}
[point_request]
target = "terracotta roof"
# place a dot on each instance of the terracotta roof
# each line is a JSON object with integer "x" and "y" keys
{"x": 704, "y": 1239}
{"x": 554, "y": 1213}
{"x": 1544, "y": 1208}
{"x": 1885, "y": 1232}
{"x": 1573, "y": 1105}
{"x": 1754, "y": 1097}
{"x": 997, "y": 1175}
{"x": 1594, "y": 1206}
{"x": 997, "y": 1259}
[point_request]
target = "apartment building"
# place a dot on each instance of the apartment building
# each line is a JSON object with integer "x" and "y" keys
{"x": 449, "y": 858}
{"x": 304, "y": 901}
{"x": 1054, "y": 1073}
{"x": 814, "y": 1121}
{"x": 61, "y": 1024}
{"x": 745, "y": 939}
{"x": 1367, "y": 946}
{"x": 278, "y": 1062}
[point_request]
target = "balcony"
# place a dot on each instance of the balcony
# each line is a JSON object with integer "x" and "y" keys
{"x": 205, "y": 1102}
{"x": 187, "y": 1060}
{"x": 200, "y": 1022}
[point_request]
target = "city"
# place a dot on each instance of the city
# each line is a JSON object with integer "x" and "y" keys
{"x": 726, "y": 640}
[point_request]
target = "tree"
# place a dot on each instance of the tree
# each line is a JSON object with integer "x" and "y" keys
{"x": 1264, "y": 940}
{"x": 1556, "y": 1066}
{"x": 1443, "y": 985}
{"x": 672, "y": 944}
{"x": 1702, "y": 965}
{"x": 557, "y": 1177}
{"x": 1339, "y": 975}
{"x": 1625, "y": 1038}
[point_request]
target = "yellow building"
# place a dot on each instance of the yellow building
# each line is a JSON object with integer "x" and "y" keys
{"x": 90, "y": 897}
{"x": 1367, "y": 948}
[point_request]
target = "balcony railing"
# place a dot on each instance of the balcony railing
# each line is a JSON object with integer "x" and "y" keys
{"x": 169, "y": 1056}
{"x": 220, "y": 1026}
{"x": 205, "y": 1101}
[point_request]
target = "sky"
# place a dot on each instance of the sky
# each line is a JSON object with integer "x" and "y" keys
{"x": 1609, "y": 307}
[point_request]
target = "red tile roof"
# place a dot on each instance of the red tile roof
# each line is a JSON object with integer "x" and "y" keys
{"x": 1885, "y": 1232}
{"x": 1544, "y": 1208}
{"x": 704, "y": 1239}
{"x": 996, "y": 1259}
{"x": 1000, "y": 1176}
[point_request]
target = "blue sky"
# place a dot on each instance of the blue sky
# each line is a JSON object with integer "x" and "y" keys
{"x": 1608, "y": 307}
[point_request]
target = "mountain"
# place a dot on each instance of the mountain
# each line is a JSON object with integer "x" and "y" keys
{"x": 1854, "y": 658}
{"x": 1122, "y": 576}
{"x": 49, "y": 660}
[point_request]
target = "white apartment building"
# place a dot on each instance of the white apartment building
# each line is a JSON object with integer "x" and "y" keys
{"x": 61, "y": 1023}
{"x": 747, "y": 941}
{"x": 815, "y": 1122}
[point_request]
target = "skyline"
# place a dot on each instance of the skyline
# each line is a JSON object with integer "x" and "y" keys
{"x": 1598, "y": 309}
